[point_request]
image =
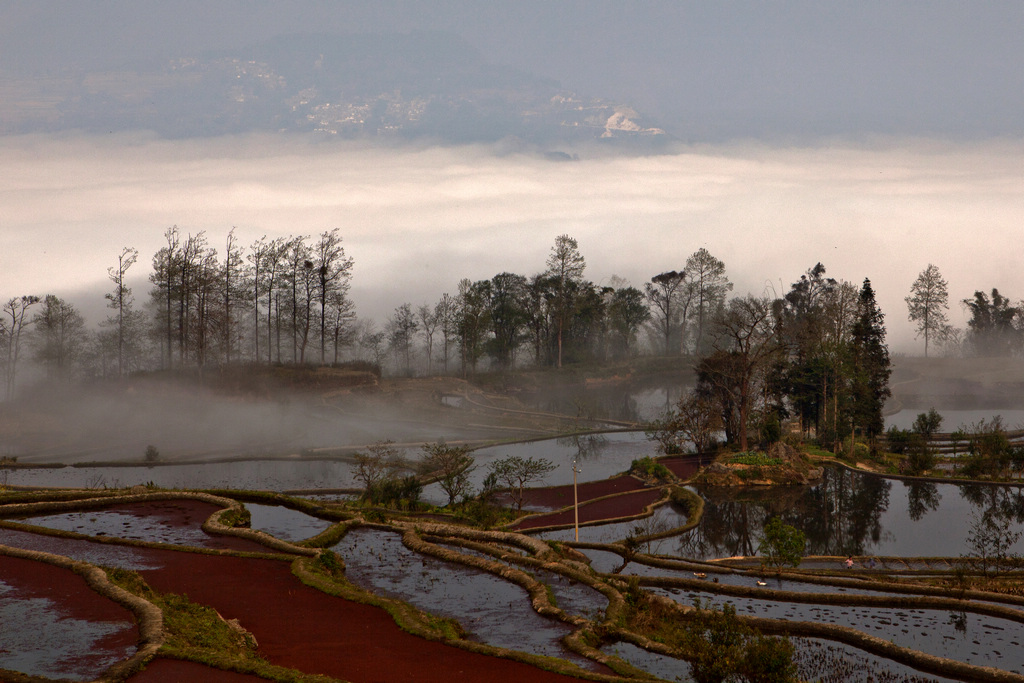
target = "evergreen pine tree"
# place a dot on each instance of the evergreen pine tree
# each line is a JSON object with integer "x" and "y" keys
{"x": 871, "y": 366}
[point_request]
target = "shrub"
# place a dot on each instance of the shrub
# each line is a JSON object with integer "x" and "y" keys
{"x": 649, "y": 467}
{"x": 768, "y": 660}
{"x": 685, "y": 499}
{"x": 770, "y": 430}
{"x": 396, "y": 492}
{"x": 483, "y": 514}
{"x": 755, "y": 458}
{"x": 720, "y": 647}
{"x": 781, "y": 544}
{"x": 152, "y": 454}
{"x": 898, "y": 440}
{"x": 330, "y": 562}
{"x": 236, "y": 518}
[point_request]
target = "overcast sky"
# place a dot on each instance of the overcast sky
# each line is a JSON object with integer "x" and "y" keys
{"x": 875, "y": 137}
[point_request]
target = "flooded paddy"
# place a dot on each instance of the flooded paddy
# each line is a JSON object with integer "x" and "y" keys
{"x": 177, "y": 522}
{"x": 101, "y": 554}
{"x": 846, "y": 513}
{"x": 662, "y": 666}
{"x": 957, "y": 419}
{"x": 53, "y": 625}
{"x": 571, "y": 596}
{"x": 271, "y": 475}
{"x": 600, "y": 456}
{"x": 749, "y": 580}
{"x": 824, "y": 661}
{"x": 817, "y": 660}
{"x": 639, "y": 402}
{"x": 285, "y": 523}
{"x": 665, "y": 517}
{"x": 966, "y": 637}
{"x": 492, "y": 610}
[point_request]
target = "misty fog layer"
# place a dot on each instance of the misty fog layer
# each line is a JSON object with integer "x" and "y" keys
{"x": 416, "y": 220}
{"x": 186, "y": 423}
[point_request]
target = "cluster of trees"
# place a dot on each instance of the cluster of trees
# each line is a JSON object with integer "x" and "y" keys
{"x": 285, "y": 300}
{"x": 817, "y": 355}
{"x": 995, "y": 327}
{"x": 547, "y": 319}
{"x": 388, "y": 478}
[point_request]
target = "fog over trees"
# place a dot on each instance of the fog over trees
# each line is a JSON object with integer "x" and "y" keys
{"x": 817, "y": 353}
{"x": 286, "y": 300}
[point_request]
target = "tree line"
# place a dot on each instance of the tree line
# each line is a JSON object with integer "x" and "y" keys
{"x": 286, "y": 300}
{"x": 817, "y": 353}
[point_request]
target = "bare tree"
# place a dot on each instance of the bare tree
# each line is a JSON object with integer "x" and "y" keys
{"x": 333, "y": 269}
{"x": 341, "y": 316}
{"x": 232, "y": 290}
{"x": 300, "y": 284}
{"x": 927, "y": 304}
{"x": 380, "y": 461}
{"x": 256, "y": 255}
{"x": 669, "y": 298}
{"x": 371, "y": 341}
{"x": 429, "y": 323}
{"x": 537, "y": 308}
{"x": 452, "y": 465}
{"x": 745, "y": 344}
{"x": 166, "y": 263}
{"x": 121, "y": 299}
{"x": 402, "y": 328}
{"x": 12, "y": 326}
{"x": 515, "y": 472}
{"x": 446, "y": 314}
{"x": 695, "y": 419}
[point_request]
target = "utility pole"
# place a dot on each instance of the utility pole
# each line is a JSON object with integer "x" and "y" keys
{"x": 576, "y": 469}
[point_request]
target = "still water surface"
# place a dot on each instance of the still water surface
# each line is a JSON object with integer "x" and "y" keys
{"x": 851, "y": 513}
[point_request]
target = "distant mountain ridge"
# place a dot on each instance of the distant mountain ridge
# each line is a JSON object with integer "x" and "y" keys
{"x": 401, "y": 86}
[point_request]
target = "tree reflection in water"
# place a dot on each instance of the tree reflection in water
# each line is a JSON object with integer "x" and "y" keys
{"x": 1006, "y": 502}
{"x": 586, "y": 446}
{"x": 922, "y": 497}
{"x": 841, "y": 515}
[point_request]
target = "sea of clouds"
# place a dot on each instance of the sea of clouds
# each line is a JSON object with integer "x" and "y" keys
{"x": 418, "y": 219}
